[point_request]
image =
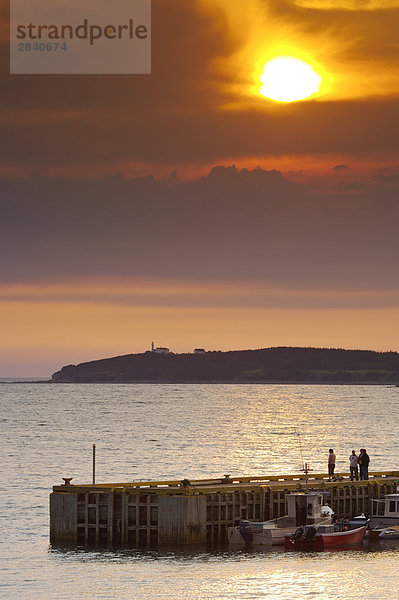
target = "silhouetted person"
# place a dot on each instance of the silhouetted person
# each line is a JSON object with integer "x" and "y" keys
{"x": 331, "y": 463}
{"x": 364, "y": 461}
{"x": 353, "y": 465}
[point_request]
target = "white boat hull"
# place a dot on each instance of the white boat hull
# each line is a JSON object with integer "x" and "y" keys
{"x": 272, "y": 536}
{"x": 267, "y": 534}
{"x": 389, "y": 534}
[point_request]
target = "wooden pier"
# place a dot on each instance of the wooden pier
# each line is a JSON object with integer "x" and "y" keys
{"x": 172, "y": 513}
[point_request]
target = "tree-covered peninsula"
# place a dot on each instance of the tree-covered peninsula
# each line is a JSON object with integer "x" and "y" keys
{"x": 279, "y": 365}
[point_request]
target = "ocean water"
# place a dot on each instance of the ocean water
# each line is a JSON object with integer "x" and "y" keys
{"x": 176, "y": 431}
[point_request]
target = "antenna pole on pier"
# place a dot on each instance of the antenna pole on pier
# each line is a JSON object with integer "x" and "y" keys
{"x": 306, "y": 469}
{"x": 94, "y": 464}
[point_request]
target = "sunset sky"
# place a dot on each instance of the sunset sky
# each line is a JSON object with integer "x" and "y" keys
{"x": 187, "y": 208}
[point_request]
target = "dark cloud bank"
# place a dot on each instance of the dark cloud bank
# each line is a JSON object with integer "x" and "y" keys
{"x": 232, "y": 224}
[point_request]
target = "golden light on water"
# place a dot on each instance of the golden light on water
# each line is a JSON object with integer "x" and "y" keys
{"x": 289, "y": 79}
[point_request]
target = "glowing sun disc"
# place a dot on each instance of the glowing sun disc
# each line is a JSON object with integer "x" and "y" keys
{"x": 288, "y": 79}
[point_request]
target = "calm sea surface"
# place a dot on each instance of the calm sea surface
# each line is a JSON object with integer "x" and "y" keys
{"x": 176, "y": 431}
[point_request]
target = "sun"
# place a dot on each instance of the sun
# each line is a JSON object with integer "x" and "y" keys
{"x": 289, "y": 79}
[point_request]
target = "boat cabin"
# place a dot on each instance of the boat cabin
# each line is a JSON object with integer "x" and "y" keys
{"x": 388, "y": 507}
{"x": 306, "y": 509}
{"x": 385, "y": 512}
{"x": 392, "y": 505}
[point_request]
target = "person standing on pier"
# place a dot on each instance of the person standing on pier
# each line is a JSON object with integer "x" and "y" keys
{"x": 353, "y": 464}
{"x": 331, "y": 463}
{"x": 364, "y": 461}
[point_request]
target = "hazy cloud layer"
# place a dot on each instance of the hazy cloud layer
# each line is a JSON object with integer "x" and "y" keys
{"x": 231, "y": 225}
{"x": 163, "y": 293}
{"x": 87, "y": 137}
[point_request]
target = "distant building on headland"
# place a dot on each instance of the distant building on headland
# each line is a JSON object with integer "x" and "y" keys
{"x": 162, "y": 350}
{"x": 159, "y": 350}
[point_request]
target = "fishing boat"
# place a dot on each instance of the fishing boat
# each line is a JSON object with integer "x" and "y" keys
{"x": 390, "y": 533}
{"x": 304, "y": 509}
{"x": 385, "y": 514}
{"x": 324, "y": 537}
{"x": 358, "y": 521}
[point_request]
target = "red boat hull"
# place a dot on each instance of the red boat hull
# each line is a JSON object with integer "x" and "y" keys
{"x": 325, "y": 541}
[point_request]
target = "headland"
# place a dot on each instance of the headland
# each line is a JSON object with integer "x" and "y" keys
{"x": 267, "y": 365}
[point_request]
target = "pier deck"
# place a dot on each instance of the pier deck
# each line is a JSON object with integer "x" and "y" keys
{"x": 166, "y": 513}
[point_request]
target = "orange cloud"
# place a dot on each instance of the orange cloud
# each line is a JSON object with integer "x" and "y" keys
{"x": 354, "y": 50}
{"x": 194, "y": 294}
{"x": 354, "y": 5}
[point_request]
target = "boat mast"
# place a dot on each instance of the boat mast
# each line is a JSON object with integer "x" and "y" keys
{"x": 306, "y": 469}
